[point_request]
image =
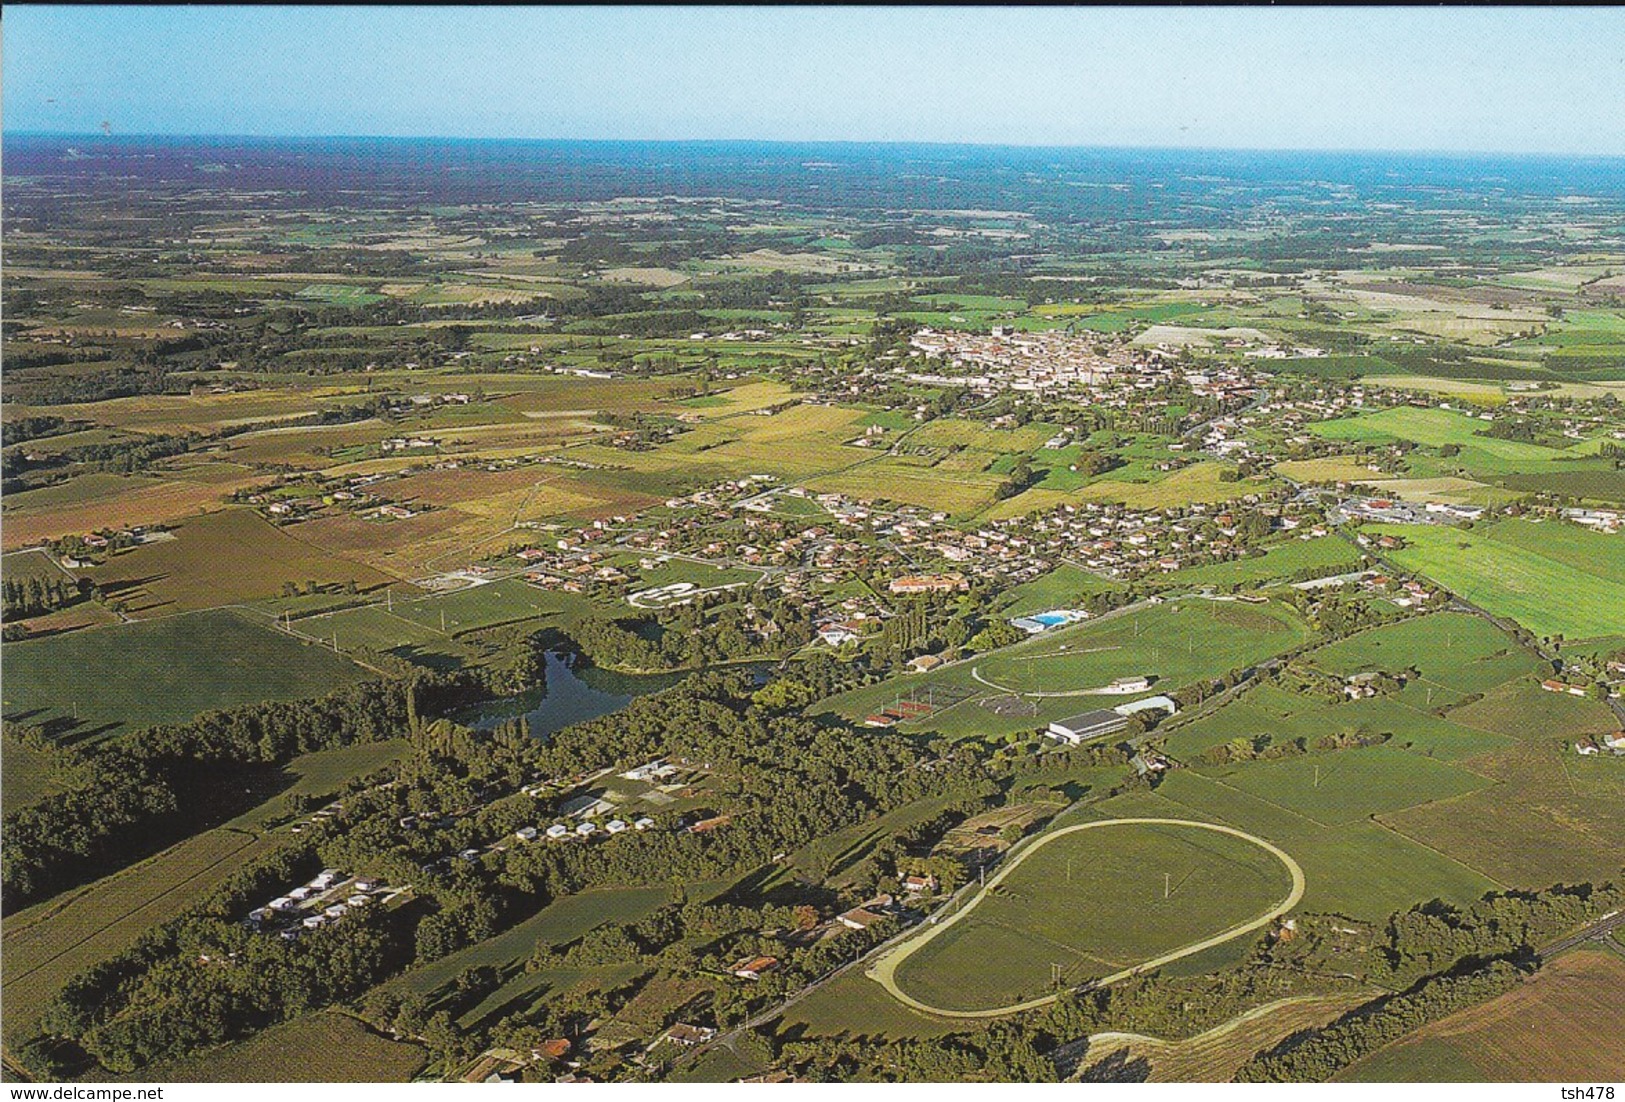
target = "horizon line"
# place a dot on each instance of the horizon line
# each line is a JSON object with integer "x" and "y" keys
{"x": 96, "y": 135}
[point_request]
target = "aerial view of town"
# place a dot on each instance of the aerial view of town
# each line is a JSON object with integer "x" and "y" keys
{"x": 582, "y": 608}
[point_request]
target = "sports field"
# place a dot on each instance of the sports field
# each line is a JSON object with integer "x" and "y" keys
{"x": 1570, "y": 585}
{"x": 1089, "y": 902}
{"x": 1174, "y": 643}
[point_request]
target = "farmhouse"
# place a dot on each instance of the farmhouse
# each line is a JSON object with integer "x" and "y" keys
{"x": 919, "y": 885}
{"x": 1086, "y": 725}
{"x": 705, "y": 826}
{"x": 836, "y": 634}
{"x": 752, "y": 968}
{"x": 689, "y": 1035}
{"x": 860, "y": 918}
{"x": 1129, "y": 685}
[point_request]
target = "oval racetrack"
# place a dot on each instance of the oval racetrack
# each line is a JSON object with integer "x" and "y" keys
{"x": 884, "y": 971}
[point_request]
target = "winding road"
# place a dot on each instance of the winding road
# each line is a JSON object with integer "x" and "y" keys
{"x": 884, "y": 971}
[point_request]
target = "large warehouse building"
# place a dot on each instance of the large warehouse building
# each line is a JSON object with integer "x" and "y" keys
{"x": 1088, "y": 725}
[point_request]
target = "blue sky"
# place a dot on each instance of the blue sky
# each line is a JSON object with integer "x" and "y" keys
{"x": 1521, "y": 80}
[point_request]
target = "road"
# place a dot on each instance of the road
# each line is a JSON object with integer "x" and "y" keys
{"x": 885, "y": 970}
{"x": 1597, "y": 931}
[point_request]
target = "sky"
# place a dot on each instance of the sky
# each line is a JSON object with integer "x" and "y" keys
{"x": 1458, "y": 80}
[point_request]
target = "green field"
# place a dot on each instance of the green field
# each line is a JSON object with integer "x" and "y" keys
{"x": 1333, "y": 789}
{"x": 1549, "y": 589}
{"x": 1552, "y": 817}
{"x": 1093, "y": 903}
{"x": 1483, "y": 457}
{"x": 47, "y": 944}
{"x": 1063, "y": 587}
{"x": 163, "y": 671}
{"x": 853, "y": 1005}
{"x": 340, "y": 294}
{"x": 1357, "y": 869}
{"x": 1283, "y": 716}
{"x": 26, "y": 775}
{"x": 1197, "y": 483}
{"x": 559, "y": 923}
{"x": 1282, "y": 561}
{"x": 325, "y": 1047}
{"x": 1454, "y": 650}
{"x": 429, "y": 623}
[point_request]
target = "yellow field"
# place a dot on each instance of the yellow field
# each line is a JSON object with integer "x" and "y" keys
{"x": 1485, "y": 394}
{"x": 1214, "y": 1056}
{"x": 893, "y": 481}
{"x": 1029, "y": 501}
{"x": 220, "y": 559}
{"x": 647, "y": 277}
{"x": 1560, "y": 1026}
{"x": 538, "y": 501}
{"x": 950, "y": 432}
{"x": 1447, "y": 488}
{"x": 1332, "y": 468}
{"x": 146, "y": 504}
{"x": 747, "y": 397}
{"x": 1196, "y": 483}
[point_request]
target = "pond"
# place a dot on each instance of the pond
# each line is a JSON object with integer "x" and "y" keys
{"x": 574, "y": 691}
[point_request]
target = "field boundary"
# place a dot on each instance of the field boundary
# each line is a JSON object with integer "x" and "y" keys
{"x": 884, "y": 971}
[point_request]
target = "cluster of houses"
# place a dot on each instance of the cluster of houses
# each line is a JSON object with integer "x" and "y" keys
{"x": 1600, "y": 520}
{"x": 1092, "y": 369}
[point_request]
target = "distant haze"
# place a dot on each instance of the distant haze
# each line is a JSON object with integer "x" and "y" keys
{"x": 1517, "y": 81}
